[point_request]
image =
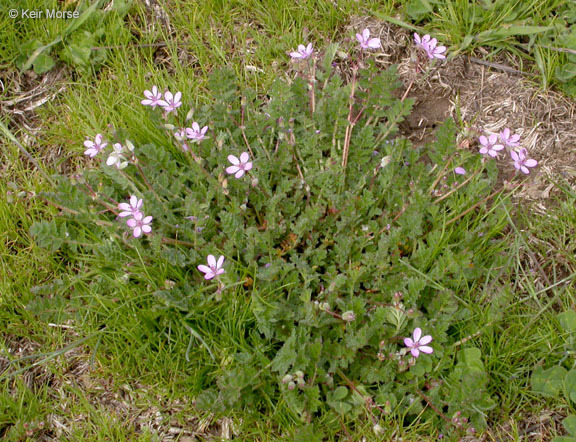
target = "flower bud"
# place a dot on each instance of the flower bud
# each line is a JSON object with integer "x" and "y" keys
{"x": 291, "y": 385}
{"x": 324, "y": 306}
{"x": 377, "y": 429}
{"x": 385, "y": 161}
{"x": 254, "y": 182}
{"x": 348, "y": 316}
{"x": 299, "y": 374}
{"x": 286, "y": 378}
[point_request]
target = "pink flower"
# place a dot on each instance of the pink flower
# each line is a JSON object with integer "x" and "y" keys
{"x": 140, "y": 224}
{"x": 195, "y": 133}
{"x": 509, "y": 140}
{"x": 170, "y": 102}
{"x": 421, "y": 42}
{"x": 239, "y": 166}
{"x": 366, "y": 42}
{"x": 303, "y": 52}
{"x": 460, "y": 171}
{"x": 94, "y": 146}
{"x": 418, "y": 343}
{"x": 214, "y": 268}
{"x": 153, "y": 97}
{"x": 489, "y": 145}
{"x": 521, "y": 162}
{"x": 430, "y": 46}
{"x": 130, "y": 209}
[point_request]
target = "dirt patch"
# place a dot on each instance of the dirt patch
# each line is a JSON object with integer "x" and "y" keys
{"x": 484, "y": 97}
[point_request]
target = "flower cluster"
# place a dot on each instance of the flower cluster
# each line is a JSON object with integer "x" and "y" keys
{"x": 138, "y": 223}
{"x": 118, "y": 156}
{"x": 492, "y": 144}
{"x": 169, "y": 102}
{"x": 430, "y": 46}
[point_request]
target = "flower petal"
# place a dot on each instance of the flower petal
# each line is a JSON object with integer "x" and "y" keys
{"x": 417, "y": 334}
{"x": 204, "y": 269}
{"x": 408, "y": 342}
{"x": 425, "y": 340}
{"x": 239, "y": 174}
{"x": 244, "y": 157}
{"x": 220, "y": 261}
{"x": 531, "y": 163}
{"x": 211, "y": 261}
{"x": 232, "y": 169}
{"x": 415, "y": 352}
{"x": 374, "y": 43}
{"x": 426, "y": 349}
{"x": 235, "y": 161}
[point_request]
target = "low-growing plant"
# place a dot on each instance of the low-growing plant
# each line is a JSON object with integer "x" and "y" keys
{"x": 359, "y": 254}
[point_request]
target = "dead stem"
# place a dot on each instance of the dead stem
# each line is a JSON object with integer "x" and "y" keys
{"x": 311, "y": 81}
{"x": 462, "y": 184}
{"x": 351, "y": 123}
{"x": 431, "y": 405}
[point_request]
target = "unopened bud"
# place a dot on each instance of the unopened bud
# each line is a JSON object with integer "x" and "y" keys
{"x": 286, "y": 378}
{"x": 348, "y": 316}
{"x": 377, "y": 429}
{"x": 299, "y": 374}
{"x": 291, "y": 385}
{"x": 254, "y": 182}
{"x": 324, "y": 306}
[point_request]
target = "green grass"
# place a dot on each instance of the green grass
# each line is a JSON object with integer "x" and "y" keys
{"x": 135, "y": 341}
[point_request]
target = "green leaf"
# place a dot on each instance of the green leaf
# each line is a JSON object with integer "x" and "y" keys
{"x": 570, "y": 424}
{"x": 471, "y": 358}
{"x": 548, "y": 382}
{"x": 566, "y": 73}
{"x": 286, "y": 355}
{"x": 339, "y": 393}
{"x": 570, "y": 385}
{"x": 567, "y": 321}
{"x": 418, "y": 9}
{"x": 47, "y": 235}
{"x": 43, "y": 63}
{"x": 330, "y": 53}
